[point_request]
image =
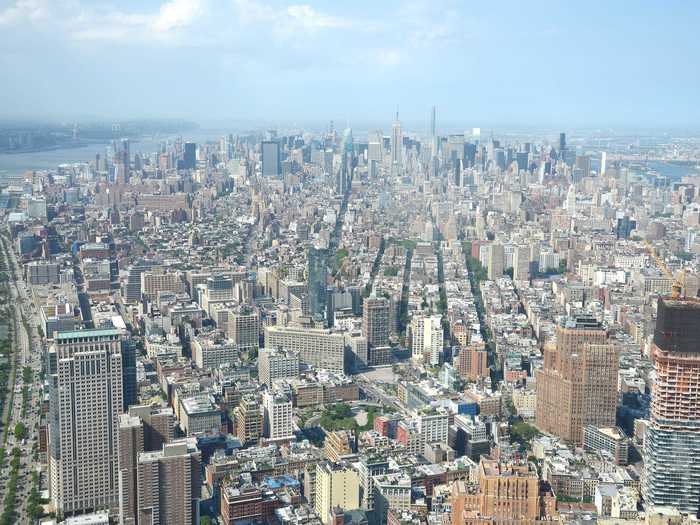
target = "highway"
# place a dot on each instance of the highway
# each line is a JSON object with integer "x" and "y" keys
{"x": 31, "y": 349}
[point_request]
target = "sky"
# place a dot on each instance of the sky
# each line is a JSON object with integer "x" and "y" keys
{"x": 508, "y": 63}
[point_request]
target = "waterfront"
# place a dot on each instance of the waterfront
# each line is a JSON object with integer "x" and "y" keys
{"x": 14, "y": 164}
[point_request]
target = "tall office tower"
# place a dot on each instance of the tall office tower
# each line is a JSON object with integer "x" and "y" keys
{"x": 274, "y": 363}
{"x": 469, "y": 154}
{"x": 189, "y": 157}
{"x": 316, "y": 279}
{"x": 433, "y": 131}
{"x": 375, "y": 321}
{"x": 521, "y": 263}
{"x": 374, "y": 154}
{"x": 85, "y": 400}
{"x": 562, "y": 145}
{"x": 578, "y": 384}
{"x": 277, "y": 423}
{"x": 244, "y": 327}
{"x": 344, "y": 175}
{"x": 427, "y": 339}
{"x": 417, "y": 327}
{"x": 130, "y": 389}
{"x": 523, "y": 160}
{"x": 130, "y": 446}
{"x": 124, "y": 155}
{"x": 672, "y": 443}
{"x": 603, "y": 163}
{"x": 248, "y": 420}
{"x": 169, "y": 484}
{"x": 336, "y": 486}
{"x": 158, "y": 424}
{"x": 396, "y": 146}
{"x": 624, "y": 227}
{"x": 271, "y": 161}
{"x": 496, "y": 261}
{"x": 583, "y": 163}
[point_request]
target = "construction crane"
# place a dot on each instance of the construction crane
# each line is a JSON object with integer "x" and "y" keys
{"x": 677, "y": 287}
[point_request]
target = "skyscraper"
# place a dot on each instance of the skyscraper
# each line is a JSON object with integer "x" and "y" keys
{"x": 344, "y": 175}
{"x": 375, "y": 321}
{"x": 277, "y": 423}
{"x": 189, "y": 157}
{"x": 130, "y": 445}
{"x": 427, "y": 339}
{"x": 583, "y": 163}
{"x": 336, "y": 486}
{"x": 248, "y": 420}
{"x": 85, "y": 400}
{"x": 672, "y": 443}
{"x": 603, "y": 163}
{"x": 496, "y": 260}
{"x": 562, "y": 145}
{"x": 433, "y": 131}
{"x": 396, "y": 145}
{"x": 143, "y": 429}
{"x": 130, "y": 389}
{"x": 124, "y": 155}
{"x": 169, "y": 484}
{"x": 521, "y": 263}
{"x": 270, "y": 155}
{"x": 374, "y": 154}
{"x": 578, "y": 384}
{"x": 316, "y": 279}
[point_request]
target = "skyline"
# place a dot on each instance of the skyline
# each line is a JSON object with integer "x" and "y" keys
{"x": 543, "y": 65}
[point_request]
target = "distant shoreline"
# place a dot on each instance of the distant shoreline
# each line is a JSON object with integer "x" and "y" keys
{"x": 52, "y": 148}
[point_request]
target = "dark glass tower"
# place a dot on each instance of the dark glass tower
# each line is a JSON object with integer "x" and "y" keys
{"x": 316, "y": 271}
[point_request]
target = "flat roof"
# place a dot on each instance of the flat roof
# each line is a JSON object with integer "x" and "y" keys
{"x": 99, "y": 332}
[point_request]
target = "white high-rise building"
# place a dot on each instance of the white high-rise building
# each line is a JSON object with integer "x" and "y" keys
{"x": 427, "y": 339}
{"x": 396, "y": 145}
{"x": 603, "y": 162}
{"x": 85, "y": 396}
{"x": 278, "y": 416}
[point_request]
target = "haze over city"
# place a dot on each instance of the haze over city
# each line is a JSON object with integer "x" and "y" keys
{"x": 349, "y": 263}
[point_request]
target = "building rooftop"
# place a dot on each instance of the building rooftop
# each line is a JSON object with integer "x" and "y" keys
{"x": 77, "y": 334}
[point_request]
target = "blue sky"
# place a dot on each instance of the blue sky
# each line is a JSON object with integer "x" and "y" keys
{"x": 482, "y": 63}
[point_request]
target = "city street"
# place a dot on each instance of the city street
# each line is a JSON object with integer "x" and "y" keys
{"x": 30, "y": 355}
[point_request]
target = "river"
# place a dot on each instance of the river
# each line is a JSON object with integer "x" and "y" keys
{"x": 14, "y": 164}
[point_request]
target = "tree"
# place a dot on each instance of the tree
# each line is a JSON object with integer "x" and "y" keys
{"x": 20, "y": 431}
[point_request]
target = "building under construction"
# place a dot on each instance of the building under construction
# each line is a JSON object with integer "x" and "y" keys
{"x": 672, "y": 444}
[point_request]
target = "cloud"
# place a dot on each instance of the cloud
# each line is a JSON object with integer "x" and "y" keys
{"x": 177, "y": 13}
{"x": 81, "y": 20}
{"x": 292, "y": 19}
{"x": 310, "y": 19}
{"x": 25, "y": 11}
